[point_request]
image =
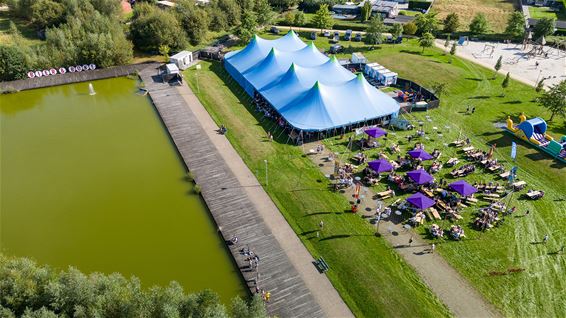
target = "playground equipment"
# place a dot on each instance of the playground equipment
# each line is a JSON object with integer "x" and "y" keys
{"x": 463, "y": 40}
{"x": 487, "y": 51}
{"x": 533, "y": 131}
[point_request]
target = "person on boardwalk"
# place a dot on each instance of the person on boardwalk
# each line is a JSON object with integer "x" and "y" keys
{"x": 432, "y": 247}
{"x": 411, "y": 241}
{"x": 545, "y": 238}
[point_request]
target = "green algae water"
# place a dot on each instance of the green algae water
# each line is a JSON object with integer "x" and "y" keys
{"x": 94, "y": 182}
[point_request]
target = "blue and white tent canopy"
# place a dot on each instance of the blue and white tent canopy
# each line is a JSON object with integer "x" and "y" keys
{"x": 311, "y": 91}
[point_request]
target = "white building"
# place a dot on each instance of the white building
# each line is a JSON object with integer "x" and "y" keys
{"x": 182, "y": 59}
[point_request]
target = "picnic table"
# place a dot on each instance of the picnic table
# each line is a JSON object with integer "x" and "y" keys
{"x": 459, "y": 143}
{"x": 471, "y": 200}
{"x": 427, "y": 192}
{"x": 385, "y": 194}
{"x": 495, "y": 168}
{"x": 452, "y": 161}
{"x": 492, "y": 195}
{"x": 505, "y": 174}
{"x": 469, "y": 148}
{"x": 534, "y": 194}
{"x": 442, "y": 205}
{"x": 519, "y": 185}
{"x": 434, "y": 213}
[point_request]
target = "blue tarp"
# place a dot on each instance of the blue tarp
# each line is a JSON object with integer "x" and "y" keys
{"x": 311, "y": 91}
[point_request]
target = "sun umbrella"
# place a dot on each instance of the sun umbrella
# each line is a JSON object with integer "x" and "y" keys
{"x": 420, "y": 176}
{"x": 420, "y": 153}
{"x": 380, "y": 165}
{"x": 421, "y": 201}
{"x": 375, "y": 132}
{"x": 463, "y": 188}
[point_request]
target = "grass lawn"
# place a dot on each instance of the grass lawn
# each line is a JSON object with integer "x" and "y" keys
{"x": 497, "y": 12}
{"x": 355, "y": 24}
{"x": 545, "y": 12}
{"x": 369, "y": 275}
{"x": 300, "y": 192}
{"x": 28, "y": 32}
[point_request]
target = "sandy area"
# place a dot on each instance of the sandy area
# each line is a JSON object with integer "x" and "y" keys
{"x": 516, "y": 60}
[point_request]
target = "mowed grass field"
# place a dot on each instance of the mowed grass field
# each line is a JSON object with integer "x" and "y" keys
{"x": 29, "y": 35}
{"x": 496, "y": 11}
{"x": 365, "y": 270}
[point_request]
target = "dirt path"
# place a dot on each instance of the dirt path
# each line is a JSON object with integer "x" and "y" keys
{"x": 318, "y": 284}
{"x": 449, "y": 286}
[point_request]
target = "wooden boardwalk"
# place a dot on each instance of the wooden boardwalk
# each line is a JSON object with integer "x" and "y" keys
{"x": 230, "y": 206}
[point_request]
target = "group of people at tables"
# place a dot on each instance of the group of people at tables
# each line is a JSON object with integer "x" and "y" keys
{"x": 489, "y": 217}
{"x": 455, "y": 232}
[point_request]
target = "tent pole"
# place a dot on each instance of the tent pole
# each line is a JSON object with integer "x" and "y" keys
{"x": 289, "y": 137}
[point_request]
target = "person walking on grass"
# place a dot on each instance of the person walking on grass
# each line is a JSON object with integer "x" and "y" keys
{"x": 411, "y": 240}
{"x": 545, "y": 238}
{"x": 321, "y": 225}
{"x": 432, "y": 247}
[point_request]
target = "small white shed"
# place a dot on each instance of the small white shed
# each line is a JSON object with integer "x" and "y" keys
{"x": 358, "y": 58}
{"x": 182, "y": 59}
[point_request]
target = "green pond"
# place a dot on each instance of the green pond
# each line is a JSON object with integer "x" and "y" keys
{"x": 95, "y": 182}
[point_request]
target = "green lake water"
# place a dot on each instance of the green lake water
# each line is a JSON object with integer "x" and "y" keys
{"x": 94, "y": 182}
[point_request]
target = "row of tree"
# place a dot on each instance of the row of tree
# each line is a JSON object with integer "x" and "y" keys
{"x": 28, "y": 290}
{"x": 480, "y": 25}
{"x": 94, "y": 31}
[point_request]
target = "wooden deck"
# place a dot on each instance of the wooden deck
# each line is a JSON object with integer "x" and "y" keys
{"x": 231, "y": 208}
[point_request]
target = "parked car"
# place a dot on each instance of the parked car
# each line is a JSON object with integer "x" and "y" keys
{"x": 358, "y": 37}
{"x": 336, "y": 48}
{"x": 337, "y": 34}
{"x": 335, "y": 39}
{"x": 348, "y": 35}
{"x": 326, "y": 34}
{"x": 274, "y": 30}
{"x": 313, "y": 36}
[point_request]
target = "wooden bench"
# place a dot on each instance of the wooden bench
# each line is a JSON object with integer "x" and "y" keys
{"x": 434, "y": 213}
{"x": 321, "y": 265}
{"x": 385, "y": 194}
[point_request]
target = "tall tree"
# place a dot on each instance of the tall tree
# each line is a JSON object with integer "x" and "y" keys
{"x": 479, "y": 24}
{"x": 451, "y": 23}
{"x": 231, "y": 10}
{"x": 248, "y": 26}
{"x": 452, "y": 52}
{"x": 366, "y": 11}
{"x": 193, "y": 19}
{"x": 47, "y": 13}
{"x": 13, "y": 63}
{"x": 283, "y": 4}
{"x": 152, "y": 27}
{"x": 447, "y": 42}
{"x": 410, "y": 28}
{"x": 397, "y": 30}
{"x": 555, "y": 100}
{"x": 426, "y": 40}
{"x": 497, "y": 66}
{"x": 299, "y": 19}
{"x": 427, "y": 23}
{"x": 516, "y": 25}
{"x": 544, "y": 27}
{"x": 375, "y": 29}
{"x": 263, "y": 12}
{"x": 322, "y": 19}
{"x": 505, "y": 83}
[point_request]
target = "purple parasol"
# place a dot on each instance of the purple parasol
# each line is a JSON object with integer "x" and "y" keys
{"x": 380, "y": 165}
{"x": 463, "y": 188}
{"x": 375, "y": 132}
{"x": 421, "y": 201}
{"x": 420, "y": 153}
{"x": 420, "y": 176}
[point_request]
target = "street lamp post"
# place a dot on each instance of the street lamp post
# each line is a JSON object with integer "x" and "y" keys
{"x": 266, "y": 176}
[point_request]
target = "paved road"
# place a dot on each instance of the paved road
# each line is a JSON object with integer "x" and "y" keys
{"x": 320, "y": 287}
{"x": 448, "y": 285}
